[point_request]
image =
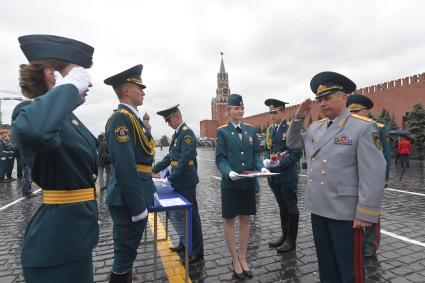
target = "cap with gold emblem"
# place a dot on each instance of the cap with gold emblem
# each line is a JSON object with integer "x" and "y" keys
{"x": 168, "y": 112}
{"x": 275, "y": 104}
{"x": 132, "y": 75}
{"x": 357, "y": 102}
{"x": 235, "y": 100}
{"x": 326, "y": 83}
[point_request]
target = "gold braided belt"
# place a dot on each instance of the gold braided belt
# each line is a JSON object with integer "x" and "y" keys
{"x": 174, "y": 163}
{"x": 68, "y": 196}
{"x": 144, "y": 168}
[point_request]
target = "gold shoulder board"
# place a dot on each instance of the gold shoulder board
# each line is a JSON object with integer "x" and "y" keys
{"x": 320, "y": 121}
{"x": 222, "y": 126}
{"x": 361, "y": 118}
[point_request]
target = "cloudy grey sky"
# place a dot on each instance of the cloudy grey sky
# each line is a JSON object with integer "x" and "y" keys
{"x": 271, "y": 48}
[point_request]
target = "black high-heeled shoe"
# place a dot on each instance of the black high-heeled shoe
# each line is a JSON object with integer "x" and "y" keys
{"x": 241, "y": 275}
{"x": 247, "y": 273}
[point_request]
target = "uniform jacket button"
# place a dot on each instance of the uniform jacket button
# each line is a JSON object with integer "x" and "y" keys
{"x": 94, "y": 176}
{"x": 313, "y": 158}
{"x": 311, "y": 180}
{"x": 323, "y": 172}
{"x": 322, "y": 183}
{"x": 242, "y": 152}
{"x": 311, "y": 169}
{"x": 324, "y": 161}
{"x": 243, "y": 164}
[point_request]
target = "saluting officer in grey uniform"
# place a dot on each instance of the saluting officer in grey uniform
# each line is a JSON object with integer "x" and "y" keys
{"x": 346, "y": 172}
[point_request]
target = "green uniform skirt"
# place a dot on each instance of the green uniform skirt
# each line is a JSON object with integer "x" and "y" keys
{"x": 238, "y": 202}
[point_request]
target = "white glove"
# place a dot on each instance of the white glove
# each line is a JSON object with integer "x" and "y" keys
{"x": 139, "y": 217}
{"x": 265, "y": 170}
{"x": 156, "y": 197}
{"x": 78, "y": 77}
{"x": 266, "y": 162}
{"x": 233, "y": 176}
{"x": 273, "y": 164}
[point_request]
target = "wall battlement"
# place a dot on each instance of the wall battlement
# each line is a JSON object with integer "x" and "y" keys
{"x": 403, "y": 82}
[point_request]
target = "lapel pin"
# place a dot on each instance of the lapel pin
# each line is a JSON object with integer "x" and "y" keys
{"x": 74, "y": 122}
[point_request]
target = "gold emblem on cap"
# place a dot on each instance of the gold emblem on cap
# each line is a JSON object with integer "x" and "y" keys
{"x": 135, "y": 80}
{"x": 74, "y": 122}
{"x": 356, "y": 107}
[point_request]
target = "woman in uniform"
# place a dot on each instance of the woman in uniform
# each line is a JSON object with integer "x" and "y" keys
{"x": 237, "y": 151}
{"x": 60, "y": 237}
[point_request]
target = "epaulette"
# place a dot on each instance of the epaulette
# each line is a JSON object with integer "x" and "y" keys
{"x": 289, "y": 123}
{"x": 222, "y": 126}
{"x": 320, "y": 121}
{"x": 249, "y": 124}
{"x": 362, "y": 118}
{"x": 185, "y": 128}
{"x": 380, "y": 125}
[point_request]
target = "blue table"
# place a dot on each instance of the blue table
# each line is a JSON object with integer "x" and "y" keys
{"x": 164, "y": 194}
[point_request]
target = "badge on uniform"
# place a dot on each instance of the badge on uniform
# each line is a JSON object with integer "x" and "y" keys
{"x": 121, "y": 134}
{"x": 344, "y": 140}
{"x": 376, "y": 140}
{"x": 250, "y": 140}
{"x": 187, "y": 139}
{"x": 74, "y": 122}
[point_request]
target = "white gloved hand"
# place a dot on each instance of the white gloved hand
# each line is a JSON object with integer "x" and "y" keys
{"x": 273, "y": 164}
{"x": 266, "y": 162}
{"x": 78, "y": 77}
{"x": 233, "y": 176}
{"x": 139, "y": 217}
{"x": 265, "y": 170}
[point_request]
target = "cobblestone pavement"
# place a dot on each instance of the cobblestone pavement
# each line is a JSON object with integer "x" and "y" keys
{"x": 398, "y": 260}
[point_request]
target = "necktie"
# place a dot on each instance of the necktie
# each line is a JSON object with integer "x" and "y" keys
{"x": 239, "y": 131}
{"x": 329, "y": 124}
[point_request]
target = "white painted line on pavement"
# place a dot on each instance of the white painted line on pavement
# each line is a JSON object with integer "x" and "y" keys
{"x": 406, "y": 192}
{"x": 403, "y": 238}
{"x": 16, "y": 201}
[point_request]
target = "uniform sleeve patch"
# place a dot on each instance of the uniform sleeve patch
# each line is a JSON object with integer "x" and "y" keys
{"x": 376, "y": 140}
{"x": 122, "y": 134}
{"x": 187, "y": 139}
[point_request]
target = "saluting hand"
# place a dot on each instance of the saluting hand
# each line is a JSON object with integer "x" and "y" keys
{"x": 304, "y": 109}
{"x": 78, "y": 77}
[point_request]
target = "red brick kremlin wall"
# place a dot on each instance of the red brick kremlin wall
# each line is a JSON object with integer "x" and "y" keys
{"x": 398, "y": 97}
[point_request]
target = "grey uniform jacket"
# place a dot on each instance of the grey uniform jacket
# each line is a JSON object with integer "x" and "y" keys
{"x": 346, "y": 168}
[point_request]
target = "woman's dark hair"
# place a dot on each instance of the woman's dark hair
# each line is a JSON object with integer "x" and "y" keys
{"x": 31, "y": 76}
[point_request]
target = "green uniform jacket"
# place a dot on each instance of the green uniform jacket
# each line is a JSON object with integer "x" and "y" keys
{"x": 233, "y": 154}
{"x": 127, "y": 187}
{"x": 287, "y": 165}
{"x": 63, "y": 155}
{"x": 184, "y": 175}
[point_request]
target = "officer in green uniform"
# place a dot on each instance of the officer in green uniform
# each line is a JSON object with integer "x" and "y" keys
{"x": 360, "y": 104}
{"x": 284, "y": 186}
{"x": 184, "y": 175}
{"x": 61, "y": 236}
{"x": 130, "y": 190}
{"x": 10, "y": 158}
{"x": 237, "y": 151}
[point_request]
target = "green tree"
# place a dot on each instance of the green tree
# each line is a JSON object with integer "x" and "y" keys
{"x": 392, "y": 125}
{"x": 384, "y": 117}
{"x": 416, "y": 122}
{"x": 164, "y": 141}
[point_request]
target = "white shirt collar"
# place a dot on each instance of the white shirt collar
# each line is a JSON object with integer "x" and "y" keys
{"x": 236, "y": 125}
{"x": 134, "y": 110}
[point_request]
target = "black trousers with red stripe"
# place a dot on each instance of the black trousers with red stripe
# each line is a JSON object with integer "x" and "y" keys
{"x": 339, "y": 250}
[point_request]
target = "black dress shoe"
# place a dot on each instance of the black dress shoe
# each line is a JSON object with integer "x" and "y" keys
{"x": 240, "y": 276}
{"x": 177, "y": 249}
{"x": 248, "y": 273}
